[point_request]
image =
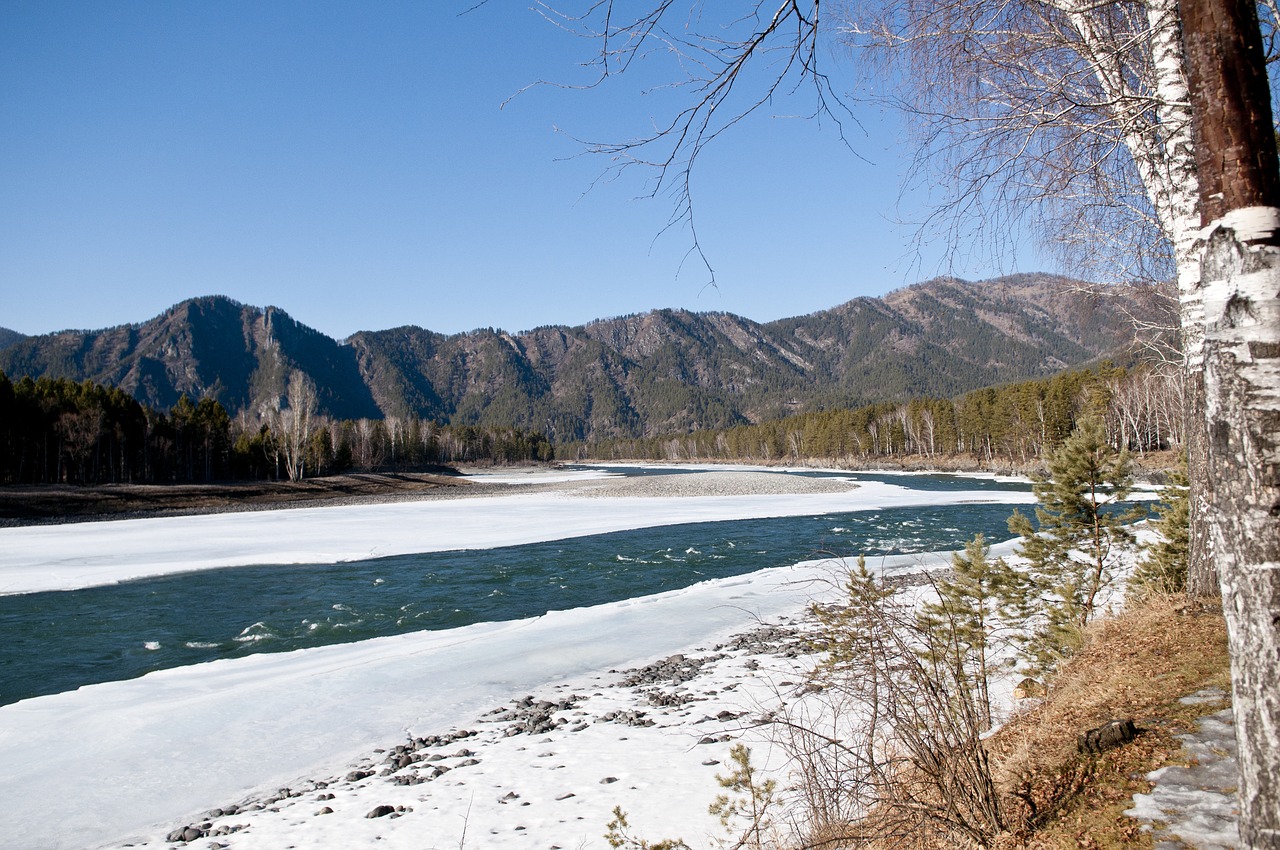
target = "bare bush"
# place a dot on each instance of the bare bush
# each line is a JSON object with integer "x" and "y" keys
{"x": 905, "y": 762}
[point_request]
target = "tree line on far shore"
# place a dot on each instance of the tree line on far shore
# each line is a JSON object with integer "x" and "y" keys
{"x": 60, "y": 431}
{"x": 1012, "y": 425}
{"x": 53, "y": 430}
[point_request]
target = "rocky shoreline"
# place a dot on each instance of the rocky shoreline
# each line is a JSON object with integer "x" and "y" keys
{"x": 24, "y": 505}
{"x": 704, "y": 700}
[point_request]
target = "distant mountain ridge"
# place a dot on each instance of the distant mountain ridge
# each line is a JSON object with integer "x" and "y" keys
{"x": 655, "y": 372}
{"x": 211, "y": 346}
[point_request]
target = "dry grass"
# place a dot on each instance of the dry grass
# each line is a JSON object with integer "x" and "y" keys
{"x": 1135, "y": 665}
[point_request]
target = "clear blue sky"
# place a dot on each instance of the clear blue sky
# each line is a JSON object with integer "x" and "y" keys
{"x": 353, "y": 164}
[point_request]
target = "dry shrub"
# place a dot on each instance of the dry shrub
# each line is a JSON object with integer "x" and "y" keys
{"x": 1136, "y": 664}
{"x": 897, "y": 751}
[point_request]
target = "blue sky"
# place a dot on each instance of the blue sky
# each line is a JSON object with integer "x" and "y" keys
{"x": 355, "y": 165}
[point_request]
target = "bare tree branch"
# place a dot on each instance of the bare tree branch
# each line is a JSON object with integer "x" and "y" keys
{"x": 728, "y": 71}
{"x": 1052, "y": 114}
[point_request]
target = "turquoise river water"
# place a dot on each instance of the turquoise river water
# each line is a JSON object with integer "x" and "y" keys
{"x": 58, "y": 641}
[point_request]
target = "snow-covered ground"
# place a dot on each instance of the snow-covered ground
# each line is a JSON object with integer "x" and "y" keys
{"x": 127, "y": 762}
{"x": 1197, "y": 805}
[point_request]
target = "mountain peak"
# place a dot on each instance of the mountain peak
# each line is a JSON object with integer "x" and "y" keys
{"x": 659, "y": 371}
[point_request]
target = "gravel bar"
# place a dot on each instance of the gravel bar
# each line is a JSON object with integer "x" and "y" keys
{"x": 712, "y": 484}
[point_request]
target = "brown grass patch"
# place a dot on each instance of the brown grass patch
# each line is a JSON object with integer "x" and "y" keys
{"x": 1134, "y": 665}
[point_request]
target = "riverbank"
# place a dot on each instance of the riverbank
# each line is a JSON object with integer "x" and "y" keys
{"x": 23, "y": 505}
{"x": 542, "y": 769}
{"x": 1148, "y": 467}
{"x": 42, "y": 504}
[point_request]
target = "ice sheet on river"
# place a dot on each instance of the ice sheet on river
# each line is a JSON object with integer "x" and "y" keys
{"x": 89, "y": 766}
{"x": 65, "y": 557}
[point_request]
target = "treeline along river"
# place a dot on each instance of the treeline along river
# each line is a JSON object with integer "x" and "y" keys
{"x": 58, "y": 641}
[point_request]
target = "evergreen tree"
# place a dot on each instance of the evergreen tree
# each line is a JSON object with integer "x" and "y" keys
{"x": 845, "y": 634}
{"x": 962, "y": 627}
{"x": 1071, "y": 558}
{"x": 1164, "y": 570}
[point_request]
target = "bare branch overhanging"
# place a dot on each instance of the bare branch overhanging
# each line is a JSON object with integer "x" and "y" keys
{"x": 1070, "y": 116}
{"x": 731, "y": 70}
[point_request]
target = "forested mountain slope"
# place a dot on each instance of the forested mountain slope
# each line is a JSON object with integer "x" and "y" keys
{"x": 8, "y": 337}
{"x": 213, "y": 346}
{"x": 656, "y": 372}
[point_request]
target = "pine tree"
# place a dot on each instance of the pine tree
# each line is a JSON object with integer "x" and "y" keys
{"x": 962, "y": 627}
{"x": 1164, "y": 570}
{"x": 846, "y": 633}
{"x": 1071, "y": 557}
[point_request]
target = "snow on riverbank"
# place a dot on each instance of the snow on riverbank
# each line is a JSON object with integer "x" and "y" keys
{"x": 129, "y": 761}
{"x": 66, "y": 557}
{"x": 132, "y": 760}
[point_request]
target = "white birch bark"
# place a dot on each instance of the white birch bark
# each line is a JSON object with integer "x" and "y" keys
{"x": 1241, "y": 284}
{"x": 295, "y": 423}
{"x": 1178, "y": 207}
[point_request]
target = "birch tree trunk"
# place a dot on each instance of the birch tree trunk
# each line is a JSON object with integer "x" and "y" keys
{"x": 1242, "y": 380}
{"x": 1177, "y": 203}
{"x": 1240, "y": 281}
{"x": 295, "y": 423}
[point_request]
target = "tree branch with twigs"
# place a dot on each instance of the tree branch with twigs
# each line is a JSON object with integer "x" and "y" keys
{"x": 727, "y": 71}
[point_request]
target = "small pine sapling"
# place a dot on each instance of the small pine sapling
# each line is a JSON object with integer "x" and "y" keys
{"x": 964, "y": 626}
{"x": 619, "y": 836}
{"x": 752, "y": 801}
{"x": 1164, "y": 569}
{"x": 845, "y": 633}
{"x": 1072, "y": 556}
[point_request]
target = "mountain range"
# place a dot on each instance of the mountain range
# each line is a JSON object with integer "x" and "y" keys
{"x": 657, "y": 372}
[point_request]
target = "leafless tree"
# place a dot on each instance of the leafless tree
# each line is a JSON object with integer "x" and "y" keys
{"x": 79, "y": 431}
{"x": 395, "y": 429}
{"x": 1071, "y": 113}
{"x": 1144, "y": 407}
{"x": 292, "y": 422}
{"x": 368, "y": 447}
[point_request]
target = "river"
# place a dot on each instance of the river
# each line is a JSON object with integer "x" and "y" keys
{"x": 58, "y": 641}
